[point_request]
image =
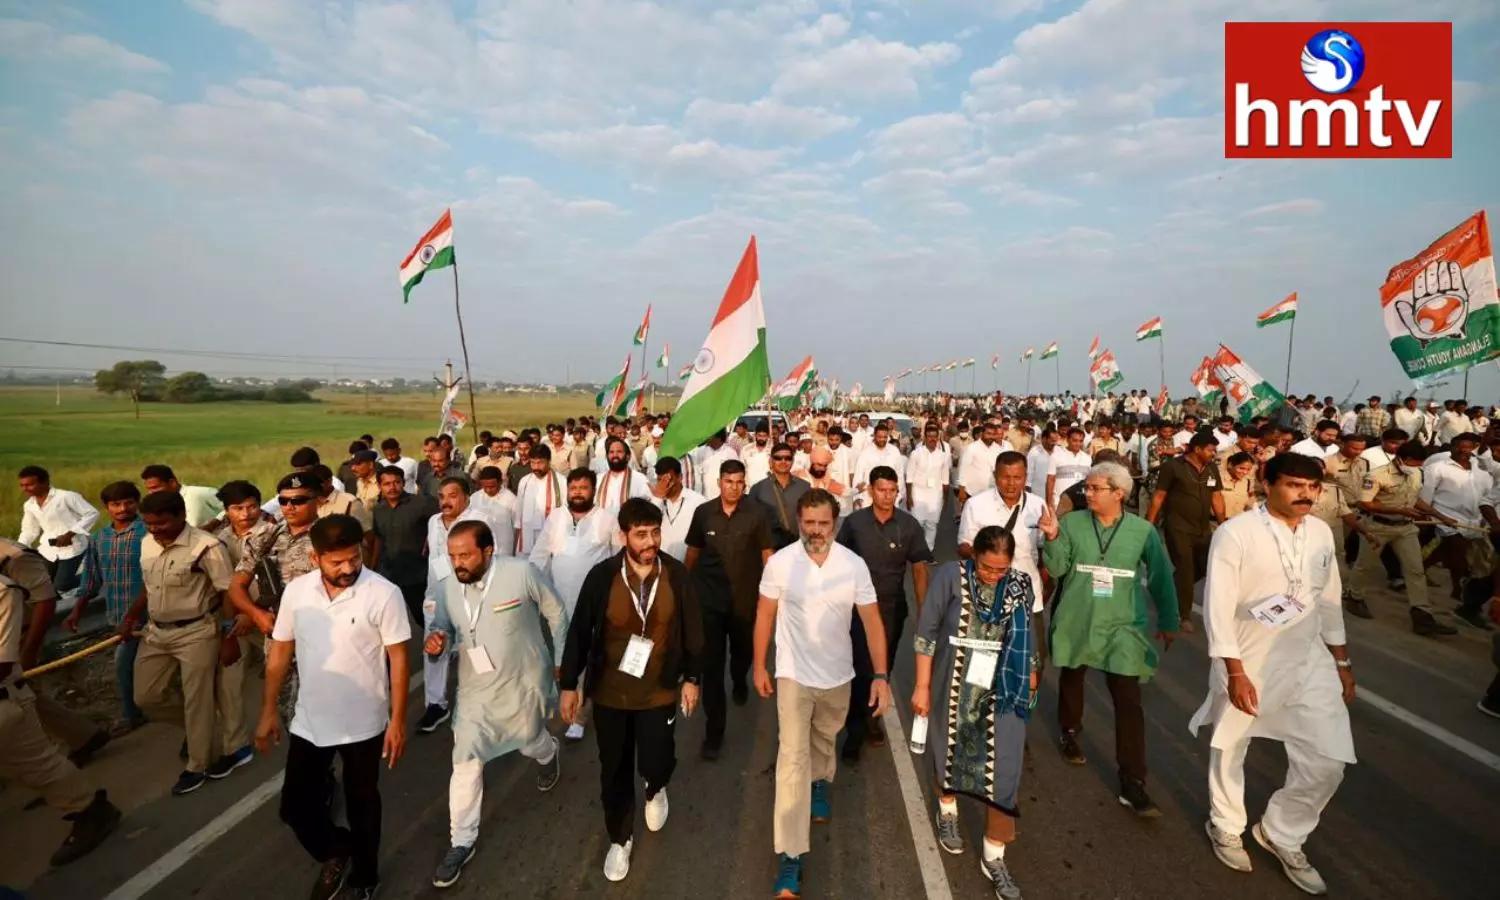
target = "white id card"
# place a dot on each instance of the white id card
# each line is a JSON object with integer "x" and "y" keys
{"x": 479, "y": 658}
{"x": 1278, "y": 610}
{"x": 637, "y": 654}
{"x": 981, "y": 668}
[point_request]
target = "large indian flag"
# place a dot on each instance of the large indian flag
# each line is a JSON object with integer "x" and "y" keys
{"x": 1050, "y": 350}
{"x": 1249, "y": 394}
{"x": 433, "y": 251}
{"x": 1105, "y": 372}
{"x": 1285, "y": 311}
{"x": 1151, "y": 329}
{"x": 1441, "y": 309}
{"x": 731, "y": 371}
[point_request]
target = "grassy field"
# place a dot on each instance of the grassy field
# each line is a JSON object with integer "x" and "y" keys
{"x": 89, "y": 440}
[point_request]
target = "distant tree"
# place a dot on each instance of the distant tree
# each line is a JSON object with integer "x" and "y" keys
{"x": 287, "y": 395}
{"x": 398, "y": 384}
{"x": 308, "y": 385}
{"x": 139, "y": 379}
{"x": 189, "y": 387}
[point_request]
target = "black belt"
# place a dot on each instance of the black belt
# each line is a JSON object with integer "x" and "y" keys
{"x": 181, "y": 623}
{"x": 1388, "y": 520}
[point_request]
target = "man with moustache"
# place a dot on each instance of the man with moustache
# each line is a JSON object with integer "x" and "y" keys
{"x": 537, "y": 495}
{"x": 573, "y": 541}
{"x": 620, "y": 481}
{"x": 757, "y": 456}
{"x": 636, "y": 645}
{"x": 400, "y": 526}
{"x": 927, "y": 472}
{"x": 490, "y": 614}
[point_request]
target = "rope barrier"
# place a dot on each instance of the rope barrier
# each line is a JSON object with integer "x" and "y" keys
{"x": 72, "y": 657}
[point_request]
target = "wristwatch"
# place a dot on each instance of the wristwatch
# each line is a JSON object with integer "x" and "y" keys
{"x": 881, "y": 676}
{"x": 1343, "y": 663}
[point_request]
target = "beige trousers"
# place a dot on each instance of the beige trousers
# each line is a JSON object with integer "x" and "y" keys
{"x": 1403, "y": 541}
{"x": 28, "y": 756}
{"x": 73, "y": 729}
{"x": 809, "y": 721}
{"x": 192, "y": 650}
{"x": 229, "y": 692}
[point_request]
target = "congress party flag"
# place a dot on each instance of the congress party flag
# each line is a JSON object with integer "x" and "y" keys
{"x": 732, "y": 369}
{"x": 1030, "y": 352}
{"x": 1151, "y": 329}
{"x": 1285, "y": 311}
{"x": 1105, "y": 372}
{"x": 433, "y": 251}
{"x": 969, "y": 363}
{"x": 1249, "y": 394}
{"x": 635, "y": 402}
{"x": 1050, "y": 351}
{"x": 1210, "y": 391}
{"x": 1441, "y": 309}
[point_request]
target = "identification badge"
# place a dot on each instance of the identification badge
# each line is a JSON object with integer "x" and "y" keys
{"x": 1278, "y": 610}
{"x": 980, "y": 671}
{"x": 637, "y": 654}
{"x": 1102, "y": 579}
{"x": 931, "y": 481}
{"x": 479, "y": 658}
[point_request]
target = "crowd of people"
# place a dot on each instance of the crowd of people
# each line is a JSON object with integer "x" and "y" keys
{"x": 574, "y": 572}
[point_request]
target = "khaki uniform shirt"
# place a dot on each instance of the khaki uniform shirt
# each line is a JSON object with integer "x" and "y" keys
{"x": 12, "y": 617}
{"x": 1342, "y": 481}
{"x": 1238, "y": 495}
{"x": 340, "y": 503}
{"x": 1387, "y": 487}
{"x": 185, "y": 578}
{"x": 1020, "y": 439}
{"x": 1097, "y": 444}
{"x": 367, "y": 490}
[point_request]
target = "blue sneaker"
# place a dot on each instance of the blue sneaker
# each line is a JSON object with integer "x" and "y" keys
{"x": 822, "y": 809}
{"x": 227, "y": 763}
{"x": 788, "y": 878}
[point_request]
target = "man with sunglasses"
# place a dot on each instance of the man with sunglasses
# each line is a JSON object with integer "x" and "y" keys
{"x": 778, "y": 495}
{"x": 286, "y": 545}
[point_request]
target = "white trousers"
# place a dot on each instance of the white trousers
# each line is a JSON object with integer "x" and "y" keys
{"x": 1292, "y": 812}
{"x": 466, "y": 790}
{"x": 434, "y": 671}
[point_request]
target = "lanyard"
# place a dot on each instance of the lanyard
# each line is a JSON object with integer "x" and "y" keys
{"x": 666, "y": 508}
{"x": 473, "y": 610}
{"x": 1114, "y": 532}
{"x": 641, "y": 601}
{"x": 1291, "y": 557}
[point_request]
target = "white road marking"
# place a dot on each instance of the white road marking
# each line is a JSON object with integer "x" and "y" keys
{"x": 929, "y": 859}
{"x": 146, "y": 880}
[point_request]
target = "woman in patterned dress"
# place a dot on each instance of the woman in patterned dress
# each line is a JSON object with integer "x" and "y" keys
{"x": 975, "y": 644}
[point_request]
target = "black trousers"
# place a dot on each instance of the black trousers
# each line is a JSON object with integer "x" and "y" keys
{"x": 1188, "y": 551}
{"x": 856, "y": 724}
{"x": 632, "y": 741}
{"x": 1130, "y": 719}
{"x": 413, "y": 594}
{"x": 304, "y": 803}
{"x": 722, "y": 628}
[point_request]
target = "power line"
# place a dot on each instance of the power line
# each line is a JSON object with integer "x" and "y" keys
{"x": 212, "y": 354}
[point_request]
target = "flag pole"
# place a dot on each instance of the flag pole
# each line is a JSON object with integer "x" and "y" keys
{"x": 1291, "y": 333}
{"x": 1057, "y": 364}
{"x": 463, "y": 344}
{"x": 1161, "y": 347}
{"x": 1028, "y": 376}
{"x": 973, "y": 379}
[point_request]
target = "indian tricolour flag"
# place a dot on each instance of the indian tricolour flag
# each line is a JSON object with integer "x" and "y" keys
{"x": 635, "y": 402}
{"x": 1249, "y": 394}
{"x": 788, "y": 393}
{"x": 640, "y": 333}
{"x": 1030, "y": 352}
{"x": 661, "y": 361}
{"x": 1285, "y": 311}
{"x": 686, "y": 370}
{"x": 1094, "y": 347}
{"x": 1050, "y": 351}
{"x": 433, "y": 251}
{"x": 613, "y": 394}
{"x": 1151, "y": 329}
{"x": 731, "y": 371}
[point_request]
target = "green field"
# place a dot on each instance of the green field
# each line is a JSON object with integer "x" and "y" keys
{"x": 88, "y": 440}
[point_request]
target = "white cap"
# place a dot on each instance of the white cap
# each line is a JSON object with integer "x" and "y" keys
{"x": 656, "y": 431}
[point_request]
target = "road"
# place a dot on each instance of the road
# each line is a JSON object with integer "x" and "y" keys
{"x": 1415, "y": 818}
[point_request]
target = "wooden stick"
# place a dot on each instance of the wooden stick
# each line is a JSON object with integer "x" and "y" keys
{"x": 72, "y": 657}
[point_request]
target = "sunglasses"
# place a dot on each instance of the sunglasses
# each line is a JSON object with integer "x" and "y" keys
{"x": 293, "y": 501}
{"x": 781, "y": 457}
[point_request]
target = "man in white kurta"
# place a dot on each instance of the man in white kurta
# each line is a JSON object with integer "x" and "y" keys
{"x": 491, "y": 614}
{"x": 881, "y": 452}
{"x": 717, "y": 450}
{"x": 927, "y": 471}
{"x": 1275, "y": 628}
{"x": 976, "y": 468}
{"x": 619, "y": 481}
{"x": 538, "y": 495}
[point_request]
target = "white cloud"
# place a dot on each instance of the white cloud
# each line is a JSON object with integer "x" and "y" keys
{"x": 767, "y": 117}
{"x": 931, "y": 136}
{"x": 865, "y": 69}
{"x": 647, "y": 151}
{"x": 1300, "y": 206}
{"x": 25, "y": 40}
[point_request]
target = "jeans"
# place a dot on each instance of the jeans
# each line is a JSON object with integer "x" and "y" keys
{"x": 65, "y": 574}
{"x": 125, "y": 679}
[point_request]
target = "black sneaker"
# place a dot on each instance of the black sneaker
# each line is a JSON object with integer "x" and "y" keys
{"x": 432, "y": 718}
{"x": 94, "y": 744}
{"x": 1133, "y": 796}
{"x": 1472, "y": 616}
{"x": 710, "y": 750}
{"x": 1490, "y": 706}
{"x": 227, "y": 763}
{"x": 1423, "y": 623}
{"x": 1356, "y": 606}
{"x": 331, "y": 879}
{"x": 550, "y": 772}
{"x": 188, "y": 782}
{"x": 91, "y": 826}
{"x": 849, "y": 755}
{"x": 451, "y": 866}
{"x": 740, "y": 694}
{"x": 1072, "y": 754}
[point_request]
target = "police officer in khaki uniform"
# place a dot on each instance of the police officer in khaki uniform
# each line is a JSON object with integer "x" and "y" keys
{"x": 27, "y": 571}
{"x": 28, "y": 756}
{"x": 1388, "y": 502}
{"x": 186, "y": 571}
{"x": 1344, "y": 475}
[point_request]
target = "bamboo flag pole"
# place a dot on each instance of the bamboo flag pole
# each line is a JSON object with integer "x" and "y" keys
{"x": 1291, "y": 333}
{"x": 464, "y": 345}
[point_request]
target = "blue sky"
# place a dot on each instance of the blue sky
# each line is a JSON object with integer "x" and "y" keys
{"x": 928, "y": 179}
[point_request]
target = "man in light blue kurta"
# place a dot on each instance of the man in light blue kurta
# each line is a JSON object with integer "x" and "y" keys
{"x": 507, "y": 680}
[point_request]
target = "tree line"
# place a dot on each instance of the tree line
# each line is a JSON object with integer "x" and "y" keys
{"x": 146, "y": 381}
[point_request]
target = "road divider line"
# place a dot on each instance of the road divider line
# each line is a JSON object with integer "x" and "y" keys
{"x": 147, "y": 879}
{"x": 929, "y": 859}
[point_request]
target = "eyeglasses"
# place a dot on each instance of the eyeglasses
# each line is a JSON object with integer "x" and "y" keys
{"x": 781, "y": 457}
{"x": 293, "y": 501}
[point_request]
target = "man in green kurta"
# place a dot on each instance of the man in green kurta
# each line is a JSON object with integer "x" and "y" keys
{"x": 1106, "y": 561}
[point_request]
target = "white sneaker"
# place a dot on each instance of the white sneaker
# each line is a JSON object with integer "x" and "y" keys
{"x": 1229, "y": 848}
{"x": 656, "y": 811}
{"x": 575, "y": 733}
{"x": 1294, "y": 863}
{"x": 617, "y": 861}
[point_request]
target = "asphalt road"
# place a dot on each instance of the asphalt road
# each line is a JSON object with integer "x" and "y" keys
{"x": 1415, "y": 817}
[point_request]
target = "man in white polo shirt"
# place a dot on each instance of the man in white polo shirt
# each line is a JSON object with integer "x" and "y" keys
{"x": 348, "y": 623}
{"x": 809, "y": 593}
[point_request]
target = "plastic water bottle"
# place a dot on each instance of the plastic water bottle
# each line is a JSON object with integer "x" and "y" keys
{"x": 918, "y": 742}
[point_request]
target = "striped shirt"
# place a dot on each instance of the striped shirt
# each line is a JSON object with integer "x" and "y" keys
{"x": 112, "y": 568}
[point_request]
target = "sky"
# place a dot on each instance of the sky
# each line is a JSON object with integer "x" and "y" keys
{"x": 928, "y": 180}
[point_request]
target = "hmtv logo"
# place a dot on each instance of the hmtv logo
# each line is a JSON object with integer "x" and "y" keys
{"x": 1381, "y": 90}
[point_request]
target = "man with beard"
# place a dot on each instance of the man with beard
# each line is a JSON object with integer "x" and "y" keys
{"x": 636, "y": 645}
{"x": 489, "y": 614}
{"x": 437, "y": 467}
{"x": 881, "y": 452}
{"x": 820, "y": 475}
{"x": 400, "y": 539}
{"x": 620, "y": 480}
{"x": 1279, "y": 669}
{"x": 1323, "y": 443}
{"x": 728, "y": 544}
{"x": 351, "y": 629}
{"x": 927, "y": 481}
{"x": 712, "y": 456}
{"x": 757, "y": 457}
{"x": 537, "y": 495}
{"x": 573, "y": 541}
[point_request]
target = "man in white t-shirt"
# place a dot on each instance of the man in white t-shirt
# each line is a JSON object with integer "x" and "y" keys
{"x": 714, "y": 453}
{"x": 976, "y": 467}
{"x": 1067, "y": 465}
{"x": 809, "y": 593}
{"x": 1008, "y": 504}
{"x": 677, "y": 504}
{"x": 1323, "y": 443}
{"x": 351, "y": 629}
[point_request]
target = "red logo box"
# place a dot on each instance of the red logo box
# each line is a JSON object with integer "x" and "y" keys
{"x": 1272, "y": 110}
